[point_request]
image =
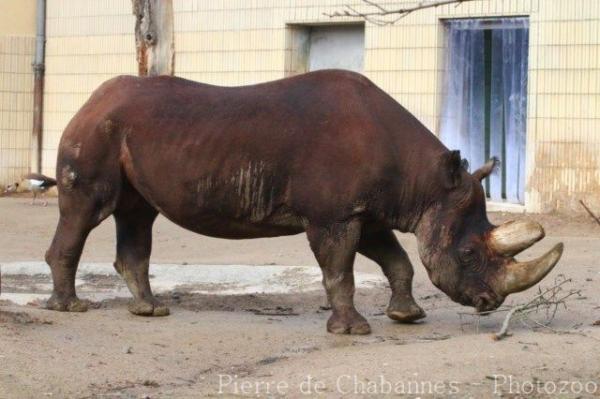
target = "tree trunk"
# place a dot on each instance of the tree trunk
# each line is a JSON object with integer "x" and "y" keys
{"x": 154, "y": 37}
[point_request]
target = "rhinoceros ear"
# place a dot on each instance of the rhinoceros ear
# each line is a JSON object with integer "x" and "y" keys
{"x": 487, "y": 169}
{"x": 452, "y": 166}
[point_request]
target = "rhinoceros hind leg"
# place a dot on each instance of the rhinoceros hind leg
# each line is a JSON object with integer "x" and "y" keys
{"x": 335, "y": 250}
{"x": 134, "y": 243}
{"x": 383, "y": 248}
{"x": 74, "y": 225}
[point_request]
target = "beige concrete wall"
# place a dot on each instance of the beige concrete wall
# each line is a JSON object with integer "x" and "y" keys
{"x": 16, "y": 106}
{"x": 88, "y": 42}
{"x": 17, "y": 17}
{"x": 17, "y": 45}
{"x": 564, "y": 109}
{"x": 234, "y": 42}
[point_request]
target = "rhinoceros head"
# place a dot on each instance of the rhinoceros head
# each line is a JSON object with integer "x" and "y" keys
{"x": 466, "y": 256}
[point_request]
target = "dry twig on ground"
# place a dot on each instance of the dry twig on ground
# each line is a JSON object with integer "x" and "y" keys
{"x": 589, "y": 211}
{"x": 547, "y": 300}
{"x": 379, "y": 13}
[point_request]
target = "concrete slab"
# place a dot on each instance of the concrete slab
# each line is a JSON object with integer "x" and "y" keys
{"x": 25, "y": 282}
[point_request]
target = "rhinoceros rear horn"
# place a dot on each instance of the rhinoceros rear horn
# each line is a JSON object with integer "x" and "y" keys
{"x": 513, "y": 237}
{"x": 518, "y": 276}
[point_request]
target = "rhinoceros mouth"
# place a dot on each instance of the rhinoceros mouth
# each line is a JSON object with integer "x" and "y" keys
{"x": 487, "y": 302}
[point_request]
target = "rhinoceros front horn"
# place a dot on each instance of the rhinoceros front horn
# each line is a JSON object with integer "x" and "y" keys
{"x": 513, "y": 237}
{"x": 518, "y": 276}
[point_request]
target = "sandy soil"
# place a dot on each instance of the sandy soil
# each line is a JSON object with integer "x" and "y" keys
{"x": 224, "y": 345}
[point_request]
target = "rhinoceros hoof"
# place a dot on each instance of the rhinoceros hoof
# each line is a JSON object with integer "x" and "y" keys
{"x": 70, "y": 304}
{"x": 405, "y": 313}
{"x": 146, "y": 308}
{"x": 352, "y": 323}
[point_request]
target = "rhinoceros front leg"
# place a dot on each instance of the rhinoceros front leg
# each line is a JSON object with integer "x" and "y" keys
{"x": 134, "y": 244}
{"x": 383, "y": 248}
{"x": 335, "y": 249}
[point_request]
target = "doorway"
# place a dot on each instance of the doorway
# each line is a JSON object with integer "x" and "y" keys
{"x": 484, "y": 106}
{"x": 311, "y": 48}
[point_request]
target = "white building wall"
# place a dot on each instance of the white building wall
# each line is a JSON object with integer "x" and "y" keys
{"x": 235, "y": 42}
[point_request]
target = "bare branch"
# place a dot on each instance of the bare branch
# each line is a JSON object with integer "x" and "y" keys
{"x": 548, "y": 300}
{"x": 589, "y": 211}
{"x": 372, "y": 3}
{"x": 504, "y": 330}
{"x": 377, "y": 16}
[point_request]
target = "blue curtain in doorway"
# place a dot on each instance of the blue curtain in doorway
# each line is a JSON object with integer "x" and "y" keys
{"x": 463, "y": 113}
{"x": 485, "y": 98}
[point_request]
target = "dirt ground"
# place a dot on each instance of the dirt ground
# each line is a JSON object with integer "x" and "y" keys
{"x": 216, "y": 345}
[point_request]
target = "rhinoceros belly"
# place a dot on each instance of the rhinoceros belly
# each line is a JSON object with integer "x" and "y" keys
{"x": 230, "y": 200}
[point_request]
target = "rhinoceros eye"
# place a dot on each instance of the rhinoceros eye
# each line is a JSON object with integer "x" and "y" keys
{"x": 468, "y": 255}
